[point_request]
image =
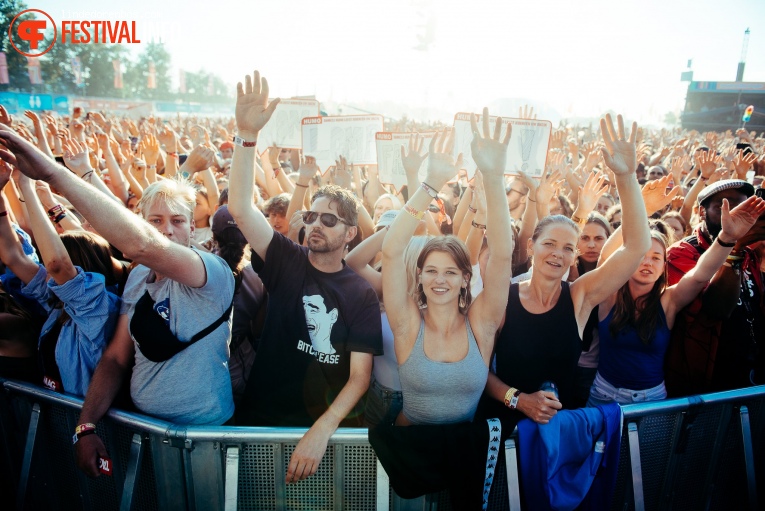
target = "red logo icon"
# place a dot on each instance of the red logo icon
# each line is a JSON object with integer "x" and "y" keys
{"x": 29, "y": 33}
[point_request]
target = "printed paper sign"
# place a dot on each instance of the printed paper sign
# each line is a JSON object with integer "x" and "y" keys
{"x": 528, "y": 143}
{"x": 352, "y": 136}
{"x": 283, "y": 129}
{"x": 389, "y": 166}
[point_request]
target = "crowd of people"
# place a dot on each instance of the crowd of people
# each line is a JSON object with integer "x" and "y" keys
{"x": 175, "y": 268}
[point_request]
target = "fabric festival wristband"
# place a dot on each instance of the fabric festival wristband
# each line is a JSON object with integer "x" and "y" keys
{"x": 243, "y": 143}
{"x": 416, "y": 214}
{"x": 509, "y": 395}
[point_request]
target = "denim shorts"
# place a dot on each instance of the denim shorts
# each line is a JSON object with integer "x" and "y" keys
{"x": 383, "y": 404}
{"x": 603, "y": 392}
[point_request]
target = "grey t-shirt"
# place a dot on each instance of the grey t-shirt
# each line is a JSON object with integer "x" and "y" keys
{"x": 192, "y": 387}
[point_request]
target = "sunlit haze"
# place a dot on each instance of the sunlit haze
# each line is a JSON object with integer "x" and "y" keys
{"x": 431, "y": 59}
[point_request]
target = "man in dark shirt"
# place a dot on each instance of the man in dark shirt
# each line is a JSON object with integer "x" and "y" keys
{"x": 717, "y": 341}
{"x": 314, "y": 360}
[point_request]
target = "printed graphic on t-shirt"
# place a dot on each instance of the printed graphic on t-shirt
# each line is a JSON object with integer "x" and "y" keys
{"x": 319, "y": 322}
{"x": 163, "y": 309}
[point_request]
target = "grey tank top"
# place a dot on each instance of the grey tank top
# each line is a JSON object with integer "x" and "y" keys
{"x": 442, "y": 392}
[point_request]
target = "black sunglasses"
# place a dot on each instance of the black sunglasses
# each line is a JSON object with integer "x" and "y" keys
{"x": 433, "y": 208}
{"x": 327, "y": 219}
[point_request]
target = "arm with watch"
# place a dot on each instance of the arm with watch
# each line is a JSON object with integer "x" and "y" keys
{"x": 539, "y": 406}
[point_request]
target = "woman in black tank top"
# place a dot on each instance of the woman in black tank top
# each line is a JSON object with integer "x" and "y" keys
{"x": 541, "y": 335}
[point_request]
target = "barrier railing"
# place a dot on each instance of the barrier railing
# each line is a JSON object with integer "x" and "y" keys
{"x": 702, "y": 452}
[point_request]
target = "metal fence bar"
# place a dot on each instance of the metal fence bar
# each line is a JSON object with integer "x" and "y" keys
{"x": 746, "y": 436}
{"x": 26, "y": 465}
{"x": 133, "y": 472}
{"x": 383, "y": 487}
{"x": 232, "y": 479}
{"x": 637, "y": 471}
{"x": 511, "y": 466}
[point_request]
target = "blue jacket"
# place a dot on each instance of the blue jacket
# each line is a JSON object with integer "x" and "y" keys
{"x": 572, "y": 460}
{"x": 93, "y": 311}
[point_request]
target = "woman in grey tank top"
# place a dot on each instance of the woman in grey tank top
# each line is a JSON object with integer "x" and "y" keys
{"x": 443, "y": 362}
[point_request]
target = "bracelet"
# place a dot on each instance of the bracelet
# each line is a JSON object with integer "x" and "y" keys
{"x": 472, "y": 209}
{"x": 151, "y": 167}
{"x": 301, "y": 186}
{"x": 725, "y": 244}
{"x": 704, "y": 178}
{"x": 733, "y": 258}
{"x": 55, "y": 211}
{"x": 60, "y": 217}
{"x": 3, "y": 213}
{"x": 529, "y": 198}
{"x": 511, "y": 398}
{"x": 431, "y": 191}
{"x": 244, "y": 143}
{"x": 416, "y": 214}
{"x": 84, "y": 427}
{"x": 76, "y": 437}
{"x": 576, "y": 219}
{"x": 478, "y": 226}
{"x": 21, "y": 200}
{"x": 86, "y": 174}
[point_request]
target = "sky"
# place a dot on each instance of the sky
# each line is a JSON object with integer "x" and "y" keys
{"x": 433, "y": 58}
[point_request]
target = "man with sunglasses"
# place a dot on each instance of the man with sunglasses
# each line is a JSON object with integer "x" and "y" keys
{"x": 322, "y": 329}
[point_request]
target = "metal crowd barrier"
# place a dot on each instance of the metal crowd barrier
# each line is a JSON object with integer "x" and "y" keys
{"x": 702, "y": 452}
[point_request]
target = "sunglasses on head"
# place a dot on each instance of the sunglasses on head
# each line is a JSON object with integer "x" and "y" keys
{"x": 327, "y": 219}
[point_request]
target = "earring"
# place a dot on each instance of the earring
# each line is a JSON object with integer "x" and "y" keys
{"x": 463, "y": 299}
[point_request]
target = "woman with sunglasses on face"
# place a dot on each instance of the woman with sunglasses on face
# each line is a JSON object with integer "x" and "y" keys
{"x": 635, "y": 322}
{"x": 541, "y": 339}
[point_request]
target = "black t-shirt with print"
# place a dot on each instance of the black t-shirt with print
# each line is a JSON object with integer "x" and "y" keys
{"x": 314, "y": 321}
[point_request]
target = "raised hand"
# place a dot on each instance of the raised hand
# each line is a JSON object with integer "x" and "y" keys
{"x": 557, "y": 139}
{"x": 252, "y": 108}
{"x": 540, "y": 406}
{"x": 77, "y": 157}
{"x": 706, "y": 162}
{"x": 413, "y": 158}
{"x": 342, "y": 175}
{"x": 593, "y": 189}
{"x": 5, "y": 174}
{"x": 736, "y": 223}
{"x": 5, "y": 117}
{"x": 743, "y": 163}
{"x": 25, "y": 156}
{"x": 655, "y": 194}
{"x": 199, "y": 159}
{"x": 150, "y": 149}
{"x": 168, "y": 138}
{"x": 488, "y": 152}
{"x": 307, "y": 170}
{"x": 548, "y": 185}
{"x": 526, "y": 112}
{"x": 45, "y": 194}
{"x": 619, "y": 154}
{"x": 441, "y": 164}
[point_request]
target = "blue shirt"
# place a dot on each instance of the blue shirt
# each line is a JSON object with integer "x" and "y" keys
{"x": 628, "y": 363}
{"x": 93, "y": 311}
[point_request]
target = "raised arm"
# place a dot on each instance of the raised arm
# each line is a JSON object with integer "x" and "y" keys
{"x": 490, "y": 154}
{"x": 11, "y": 252}
{"x": 358, "y": 259}
{"x": 119, "y": 186}
{"x": 42, "y": 139}
{"x": 621, "y": 157}
{"x": 402, "y": 311}
{"x": 134, "y": 237}
{"x": 252, "y": 113}
{"x": 54, "y": 254}
{"x": 735, "y": 224}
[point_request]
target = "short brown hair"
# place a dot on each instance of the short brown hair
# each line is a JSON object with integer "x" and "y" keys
{"x": 278, "y": 204}
{"x": 347, "y": 204}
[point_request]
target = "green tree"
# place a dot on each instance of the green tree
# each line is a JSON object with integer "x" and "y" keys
{"x": 56, "y": 68}
{"x": 198, "y": 87}
{"x": 139, "y": 73}
{"x": 17, "y": 63}
{"x": 98, "y": 70}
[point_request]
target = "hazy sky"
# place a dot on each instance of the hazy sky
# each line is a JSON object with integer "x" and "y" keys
{"x": 574, "y": 57}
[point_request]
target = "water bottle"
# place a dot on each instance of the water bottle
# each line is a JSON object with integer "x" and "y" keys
{"x": 550, "y": 386}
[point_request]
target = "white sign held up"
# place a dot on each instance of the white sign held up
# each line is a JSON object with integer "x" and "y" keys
{"x": 352, "y": 136}
{"x": 527, "y": 151}
{"x": 389, "y": 166}
{"x": 283, "y": 129}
